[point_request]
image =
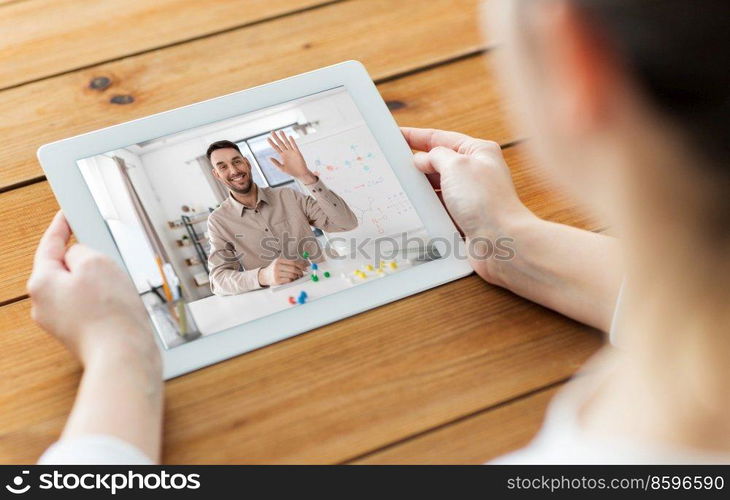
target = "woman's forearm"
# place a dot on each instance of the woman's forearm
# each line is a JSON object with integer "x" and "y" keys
{"x": 121, "y": 394}
{"x": 575, "y": 272}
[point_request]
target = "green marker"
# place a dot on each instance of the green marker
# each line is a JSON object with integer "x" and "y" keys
{"x": 305, "y": 255}
{"x": 315, "y": 277}
{"x": 326, "y": 274}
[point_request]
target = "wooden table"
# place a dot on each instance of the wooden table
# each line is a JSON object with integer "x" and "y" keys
{"x": 458, "y": 374}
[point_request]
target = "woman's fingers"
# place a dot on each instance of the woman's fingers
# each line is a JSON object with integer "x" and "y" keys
{"x": 423, "y": 162}
{"x": 78, "y": 254}
{"x": 435, "y": 161}
{"x": 48, "y": 260}
{"x": 421, "y": 139}
{"x": 435, "y": 181}
{"x": 52, "y": 246}
{"x": 426, "y": 139}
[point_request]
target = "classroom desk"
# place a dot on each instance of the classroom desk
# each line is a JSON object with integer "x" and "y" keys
{"x": 457, "y": 374}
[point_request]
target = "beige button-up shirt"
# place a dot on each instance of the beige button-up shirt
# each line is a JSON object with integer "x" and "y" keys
{"x": 245, "y": 239}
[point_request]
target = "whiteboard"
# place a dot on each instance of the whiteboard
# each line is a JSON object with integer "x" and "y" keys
{"x": 350, "y": 162}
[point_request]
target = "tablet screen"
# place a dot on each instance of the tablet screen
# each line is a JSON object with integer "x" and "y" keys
{"x": 230, "y": 222}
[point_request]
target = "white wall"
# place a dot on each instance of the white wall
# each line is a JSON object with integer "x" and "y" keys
{"x": 112, "y": 197}
{"x": 176, "y": 178}
{"x": 159, "y": 209}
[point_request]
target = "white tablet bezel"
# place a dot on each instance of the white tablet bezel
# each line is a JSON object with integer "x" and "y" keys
{"x": 58, "y": 159}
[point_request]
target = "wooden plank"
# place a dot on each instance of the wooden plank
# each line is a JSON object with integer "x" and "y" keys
{"x": 37, "y": 45}
{"x": 25, "y": 215}
{"x": 339, "y": 392}
{"x": 474, "y": 440}
{"x": 462, "y": 96}
{"x": 30, "y": 209}
{"x": 406, "y": 40}
{"x": 47, "y": 376}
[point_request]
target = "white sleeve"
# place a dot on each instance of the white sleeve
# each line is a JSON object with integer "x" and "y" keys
{"x": 93, "y": 449}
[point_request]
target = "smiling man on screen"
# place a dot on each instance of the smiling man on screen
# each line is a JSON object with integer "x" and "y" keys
{"x": 257, "y": 233}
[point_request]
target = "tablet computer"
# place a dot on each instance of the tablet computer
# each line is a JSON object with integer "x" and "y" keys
{"x": 195, "y": 203}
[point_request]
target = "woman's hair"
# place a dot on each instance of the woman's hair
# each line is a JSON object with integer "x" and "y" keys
{"x": 679, "y": 54}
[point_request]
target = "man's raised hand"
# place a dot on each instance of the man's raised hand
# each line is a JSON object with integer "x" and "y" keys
{"x": 291, "y": 161}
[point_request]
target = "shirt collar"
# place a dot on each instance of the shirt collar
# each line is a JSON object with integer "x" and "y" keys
{"x": 261, "y": 195}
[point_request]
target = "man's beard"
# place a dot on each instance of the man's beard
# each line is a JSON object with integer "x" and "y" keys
{"x": 244, "y": 190}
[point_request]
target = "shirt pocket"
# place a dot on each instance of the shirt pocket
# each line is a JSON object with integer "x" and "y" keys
{"x": 282, "y": 226}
